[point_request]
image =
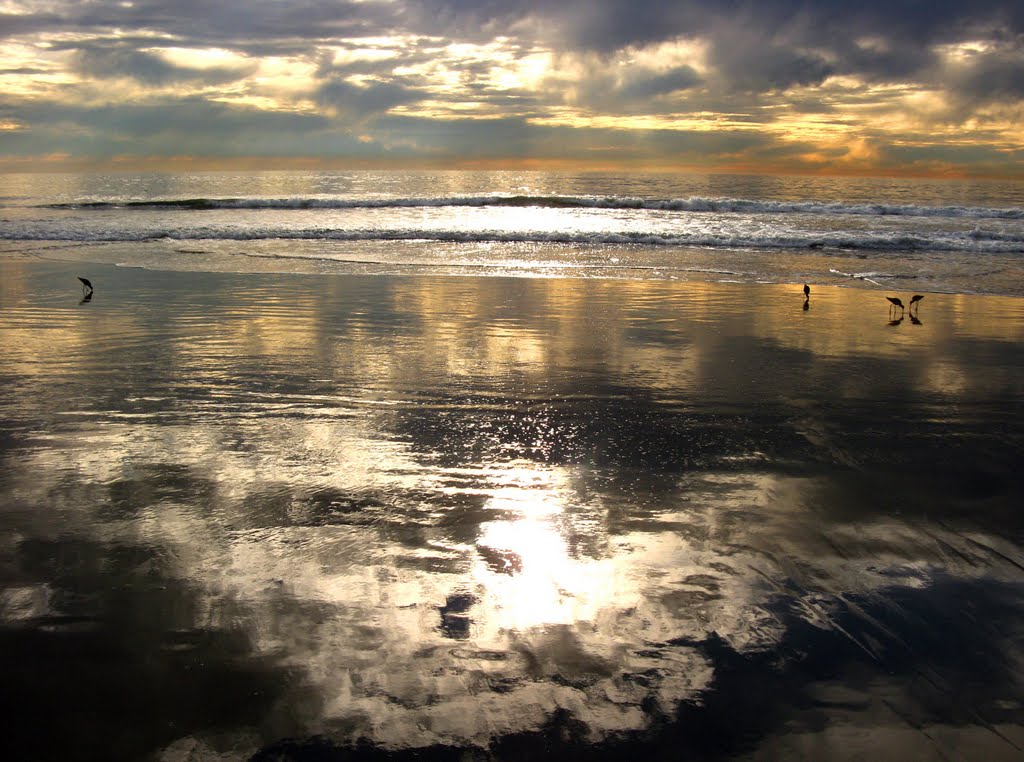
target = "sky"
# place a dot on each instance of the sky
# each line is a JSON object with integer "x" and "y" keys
{"x": 876, "y": 87}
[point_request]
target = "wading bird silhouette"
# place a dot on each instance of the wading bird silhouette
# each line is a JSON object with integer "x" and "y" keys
{"x": 807, "y": 291}
{"x": 86, "y": 290}
{"x": 915, "y": 299}
{"x": 895, "y": 302}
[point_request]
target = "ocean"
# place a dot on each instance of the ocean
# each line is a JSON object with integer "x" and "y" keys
{"x": 950, "y": 236}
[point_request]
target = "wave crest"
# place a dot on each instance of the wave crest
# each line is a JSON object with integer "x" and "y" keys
{"x": 973, "y": 241}
{"x": 694, "y": 204}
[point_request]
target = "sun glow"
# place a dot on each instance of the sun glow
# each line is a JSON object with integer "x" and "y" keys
{"x": 668, "y": 55}
{"x": 533, "y": 579}
{"x": 202, "y": 58}
{"x": 692, "y": 122}
{"x": 526, "y": 560}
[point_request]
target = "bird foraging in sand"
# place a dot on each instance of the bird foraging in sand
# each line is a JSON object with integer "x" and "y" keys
{"x": 896, "y": 302}
{"x": 86, "y": 285}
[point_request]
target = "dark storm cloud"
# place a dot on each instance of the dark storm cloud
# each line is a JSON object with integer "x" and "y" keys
{"x": 992, "y": 77}
{"x": 892, "y": 62}
{"x": 765, "y": 45}
{"x": 642, "y": 88}
{"x": 774, "y": 45}
{"x": 613, "y": 24}
{"x": 357, "y": 102}
{"x": 752, "y": 67}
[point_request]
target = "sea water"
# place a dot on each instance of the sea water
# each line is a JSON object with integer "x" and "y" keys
{"x": 949, "y": 236}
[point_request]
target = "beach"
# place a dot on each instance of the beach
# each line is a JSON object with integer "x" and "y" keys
{"x": 281, "y": 515}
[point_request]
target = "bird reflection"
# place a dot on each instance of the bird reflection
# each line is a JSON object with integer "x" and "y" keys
{"x": 807, "y": 297}
{"x": 914, "y": 320}
{"x": 896, "y": 321}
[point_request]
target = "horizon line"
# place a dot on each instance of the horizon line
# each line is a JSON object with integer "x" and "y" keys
{"x": 42, "y": 164}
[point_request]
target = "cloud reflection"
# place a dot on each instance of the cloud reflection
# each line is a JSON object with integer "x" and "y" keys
{"x": 620, "y": 510}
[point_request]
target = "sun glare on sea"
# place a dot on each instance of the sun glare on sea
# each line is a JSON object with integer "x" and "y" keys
{"x": 532, "y": 570}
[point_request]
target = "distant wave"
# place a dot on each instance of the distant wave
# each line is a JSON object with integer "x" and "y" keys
{"x": 977, "y": 240}
{"x": 870, "y": 276}
{"x": 485, "y": 265}
{"x": 693, "y": 204}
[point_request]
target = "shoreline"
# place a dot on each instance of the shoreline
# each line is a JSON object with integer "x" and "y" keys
{"x": 867, "y": 301}
{"x": 419, "y": 259}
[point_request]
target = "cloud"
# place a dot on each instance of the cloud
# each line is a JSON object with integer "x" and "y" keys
{"x": 937, "y": 157}
{"x": 518, "y": 138}
{"x": 27, "y": 70}
{"x": 759, "y": 45}
{"x": 229, "y": 23}
{"x": 618, "y": 90}
{"x": 193, "y": 126}
{"x": 653, "y": 85}
{"x": 360, "y": 101}
{"x": 170, "y": 126}
{"x": 149, "y": 68}
{"x": 993, "y": 76}
{"x": 747, "y": 66}
{"x": 610, "y": 73}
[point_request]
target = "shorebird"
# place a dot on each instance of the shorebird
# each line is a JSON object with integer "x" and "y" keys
{"x": 807, "y": 291}
{"x": 915, "y": 299}
{"x": 895, "y": 302}
{"x": 86, "y": 285}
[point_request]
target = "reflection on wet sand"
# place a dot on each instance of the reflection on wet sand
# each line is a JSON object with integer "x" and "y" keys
{"x": 526, "y": 518}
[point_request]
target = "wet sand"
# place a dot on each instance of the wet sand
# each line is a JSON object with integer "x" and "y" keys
{"x": 282, "y": 517}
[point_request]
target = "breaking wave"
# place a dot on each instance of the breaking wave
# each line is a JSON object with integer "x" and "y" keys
{"x": 976, "y": 240}
{"x": 693, "y": 204}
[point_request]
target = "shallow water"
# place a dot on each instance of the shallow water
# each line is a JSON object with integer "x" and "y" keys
{"x": 261, "y": 515}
